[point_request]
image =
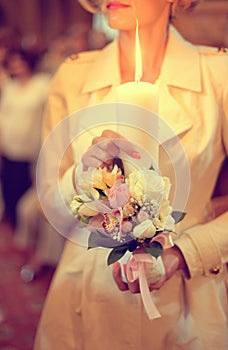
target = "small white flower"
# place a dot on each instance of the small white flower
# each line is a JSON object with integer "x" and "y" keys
{"x": 87, "y": 209}
{"x": 169, "y": 223}
{"x": 144, "y": 230}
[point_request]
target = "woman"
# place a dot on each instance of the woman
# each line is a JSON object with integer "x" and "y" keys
{"x": 84, "y": 309}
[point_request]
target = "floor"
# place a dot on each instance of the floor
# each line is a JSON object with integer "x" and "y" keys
{"x": 20, "y": 302}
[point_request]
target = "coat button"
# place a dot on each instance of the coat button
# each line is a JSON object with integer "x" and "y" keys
{"x": 74, "y": 56}
{"x": 215, "y": 270}
{"x": 222, "y": 49}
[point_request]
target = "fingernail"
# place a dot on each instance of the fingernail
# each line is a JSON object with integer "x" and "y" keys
{"x": 116, "y": 265}
{"x": 136, "y": 155}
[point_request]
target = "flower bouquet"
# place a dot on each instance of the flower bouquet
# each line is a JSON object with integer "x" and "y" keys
{"x": 125, "y": 213}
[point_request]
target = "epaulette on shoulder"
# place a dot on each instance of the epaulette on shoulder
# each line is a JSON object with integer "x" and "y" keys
{"x": 213, "y": 50}
{"x": 82, "y": 57}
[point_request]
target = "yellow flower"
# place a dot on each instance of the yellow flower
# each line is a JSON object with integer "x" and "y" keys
{"x": 128, "y": 210}
{"x": 167, "y": 188}
{"x": 91, "y": 179}
{"x": 100, "y": 179}
{"x": 136, "y": 184}
{"x": 110, "y": 177}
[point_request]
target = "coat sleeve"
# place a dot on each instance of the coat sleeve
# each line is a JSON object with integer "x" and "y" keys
{"x": 205, "y": 247}
{"x": 55, "y": 164}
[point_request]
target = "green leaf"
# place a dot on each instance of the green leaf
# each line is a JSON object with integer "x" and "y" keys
{"x": 155, "y": 249}
{"x": 116, "y": 254}
{"x": 178, "y": 216}
{"x": 92, "y": 242}
{"x": 97, "y": 239}
{"x": 151, "y": 167}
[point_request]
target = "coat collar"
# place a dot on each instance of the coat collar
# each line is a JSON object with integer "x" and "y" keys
{"x": 106, "y": 61}
{"x": 185, "y": 75}
{"x": 181, "y": 65}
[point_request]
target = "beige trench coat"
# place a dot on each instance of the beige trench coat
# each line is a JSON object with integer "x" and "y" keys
{"x": 84, "y": 309}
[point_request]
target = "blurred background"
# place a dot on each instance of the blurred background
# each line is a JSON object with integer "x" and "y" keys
{"x": 42, "y": 24}
{"x": 35, "y": 37}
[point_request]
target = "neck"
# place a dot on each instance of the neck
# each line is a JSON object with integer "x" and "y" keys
{"x": 152, "y": 37}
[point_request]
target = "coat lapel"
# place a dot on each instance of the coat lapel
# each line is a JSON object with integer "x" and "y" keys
{"x": 107, "y": 62}
{"x": 180, "y": 72}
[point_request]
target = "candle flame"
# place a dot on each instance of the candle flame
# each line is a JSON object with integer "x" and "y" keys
{"x": 138, "y": 55}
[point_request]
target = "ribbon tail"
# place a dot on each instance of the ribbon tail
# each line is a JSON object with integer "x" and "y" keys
{"x": 149, "y": 305}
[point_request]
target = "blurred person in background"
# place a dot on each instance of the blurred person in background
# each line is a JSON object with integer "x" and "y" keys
{"x": 7, "y": 40}
{"x": 21, "y": 108}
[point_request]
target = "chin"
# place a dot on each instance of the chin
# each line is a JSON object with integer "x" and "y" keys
{"x": 115, "y": 22}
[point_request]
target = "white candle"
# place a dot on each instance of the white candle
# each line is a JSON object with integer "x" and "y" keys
{"x": 144, "y": 126}
{"x": 144, "y": 120}
{"x": 141, "y": 93}
{"x": 137, "y": 92}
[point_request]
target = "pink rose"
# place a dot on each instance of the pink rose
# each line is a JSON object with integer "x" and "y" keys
{"x": 118, "y": 195}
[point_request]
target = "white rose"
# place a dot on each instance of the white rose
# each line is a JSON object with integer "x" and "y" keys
{"x": 144, "y": 230}
{"x": 154, "y": 185}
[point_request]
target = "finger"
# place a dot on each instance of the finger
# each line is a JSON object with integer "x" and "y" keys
{"x": 95, "y": 157}
{"x": 89, "y": 161}
{"x": 99, "y": 140}
{"x": 93, "y": 162}
{"x": 106, "y": 145}
{"x": 110, "y": 134}
{"x": 157, "y": 285}
{"x": 122, "y": 143}
{"x": 128, "y": 147}
{"x": 134, "y": 287}
{"x": 116, "y": 273}
{"x": 113, "y": 149}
